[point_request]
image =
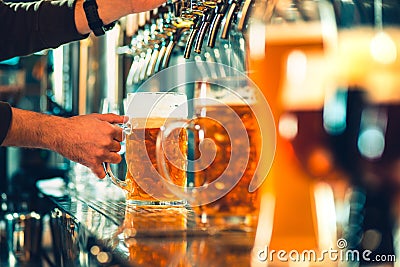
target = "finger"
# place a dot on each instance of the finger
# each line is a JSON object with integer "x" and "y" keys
{"x": 118, "y": 133}
{"x": 111, "y": 118}
{"x": 99, "y": 171}
{"x": 113, "y": 157}
{"x": 115, "y": 146}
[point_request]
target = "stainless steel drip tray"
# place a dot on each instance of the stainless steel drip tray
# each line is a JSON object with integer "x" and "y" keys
{"x": 110, "y": 206}
{"x": 97, "y": 226}
{"x": 108, "y": 201}
{"x": 145, "y": 221}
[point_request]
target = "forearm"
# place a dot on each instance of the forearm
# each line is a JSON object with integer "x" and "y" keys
{"x": 35, "y": 130}
{"x": 87, "y": 139}
{"x": 111, "y": 10}
{"x": 108, "y": 12}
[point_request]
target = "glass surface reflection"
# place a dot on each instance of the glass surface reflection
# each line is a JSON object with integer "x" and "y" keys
{"x": 163, "y": 237}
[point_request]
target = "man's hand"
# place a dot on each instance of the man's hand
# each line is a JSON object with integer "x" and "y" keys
{"x": 86, "y": 139}
{"x": 92, "y": 140}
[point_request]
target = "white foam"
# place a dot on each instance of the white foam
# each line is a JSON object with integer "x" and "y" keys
{"x": 157, "y": 105}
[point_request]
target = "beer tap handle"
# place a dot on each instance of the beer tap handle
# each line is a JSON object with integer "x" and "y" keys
{"x": 221, "y": 9}
{"x": 202, "y": 32}
{"x": 153, "y": 60}
{"x": 168, "y": 52}
{"x": 228, "y": 20}
{"x": 160, "y": 58}
{"x": 133, "y": 72}
{"x": 244, "y": 15}
{"x": 191, "y": 39}
{"x": 171, "y": 45}
{"x": 214, "y": 29}
{"x": 145, "y": 63}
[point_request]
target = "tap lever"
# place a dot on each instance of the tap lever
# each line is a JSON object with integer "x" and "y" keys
{"x": 244, "y": 12}
{"x": 228, "y": 20}
{"x": 189, "y": 43}
{"x": 191, "y": 38}
{"x": 221, "y": 9}
{"x": 160, "y": 57}
{"x": 203, "y": 29}
{"x": 171, "y": 45}
{"x": 168, "y": 53}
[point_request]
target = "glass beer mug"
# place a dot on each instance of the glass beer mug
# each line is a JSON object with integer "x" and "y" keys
{"x": 224, "y": 145}
{"x": 147, "y": 112}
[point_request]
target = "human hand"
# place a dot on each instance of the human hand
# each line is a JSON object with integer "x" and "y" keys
{"x": 86, "y": 139}
{"x": 91, "y": 140}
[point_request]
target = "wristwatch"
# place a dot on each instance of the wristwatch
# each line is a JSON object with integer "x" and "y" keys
{"x": 94, "y": 21}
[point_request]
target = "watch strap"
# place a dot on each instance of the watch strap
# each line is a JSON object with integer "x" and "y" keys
{"x": 92, "y": 15}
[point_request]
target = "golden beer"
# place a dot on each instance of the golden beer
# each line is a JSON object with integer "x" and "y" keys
{"x": 143, "y": 181}
{"x": 239, "y": 202}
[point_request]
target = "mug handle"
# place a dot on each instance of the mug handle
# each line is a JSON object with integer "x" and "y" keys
{"x": 126, "y": 128}
{"x": 115, "y": 180}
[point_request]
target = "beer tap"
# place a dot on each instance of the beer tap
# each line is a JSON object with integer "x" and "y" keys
{"x": 157, "y": 33}
{"x": 229, "y": 19}
{"x": 149, "y": 54}
{"x": 205, "y": 24}
{"x": 167, "y": 47}
{"x": 151, "y": 68}
{"x": 161, "y": 55}
{"x": 192, "y": 36}
{"x": 169, "y": 13}
{"x": 172, "y": 43}
{"x": 221, "y": 9}
{"x": 175, "y": 30}
{"x": 157, "y": 40}
{"x": 243, "y": 15}
{"x": 196, "y": 13}
{"x": 138, "y": 58}
{"x": 171, "y": 29}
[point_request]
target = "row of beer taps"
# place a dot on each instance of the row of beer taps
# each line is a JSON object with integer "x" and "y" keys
{"x": 212, "y": 29}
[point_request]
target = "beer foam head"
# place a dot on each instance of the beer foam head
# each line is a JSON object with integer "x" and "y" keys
{"x": 299, "y": 32}
{"x": 225, "y": 91}
{"x": 157, "y": 105}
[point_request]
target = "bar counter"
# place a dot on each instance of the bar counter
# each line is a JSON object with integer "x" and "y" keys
{"x": 94, "y": 227}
